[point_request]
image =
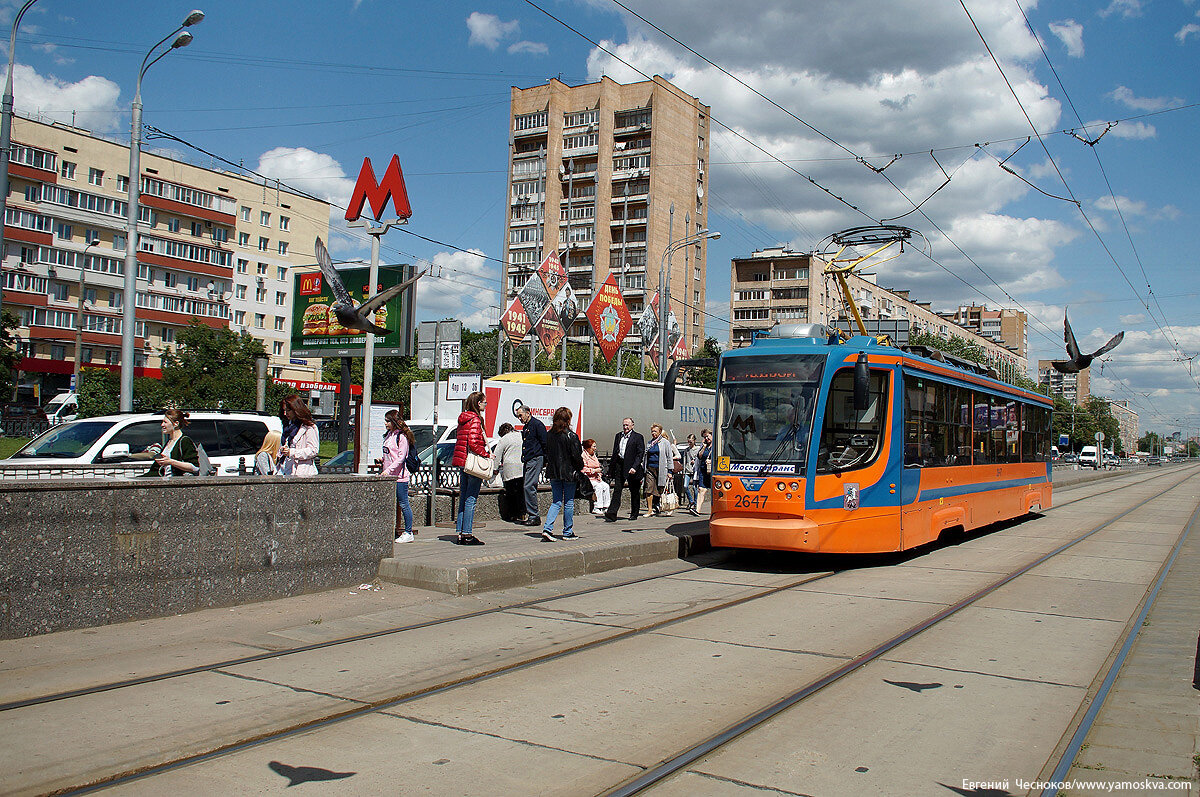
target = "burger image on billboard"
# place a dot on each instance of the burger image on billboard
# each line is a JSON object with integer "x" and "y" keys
{"x": 333, "y": 326}
{"x": 315, "y": 320}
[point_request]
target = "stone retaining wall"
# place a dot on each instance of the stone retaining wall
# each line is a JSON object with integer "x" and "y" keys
{"x": 81, "y": 553}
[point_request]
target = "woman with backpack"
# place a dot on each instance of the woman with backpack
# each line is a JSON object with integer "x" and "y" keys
{"x": 564, "y": 460}
{"x": 398, "y": 443}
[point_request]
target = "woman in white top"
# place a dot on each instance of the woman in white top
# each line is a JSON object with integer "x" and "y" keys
{"x": 300, "y": 448}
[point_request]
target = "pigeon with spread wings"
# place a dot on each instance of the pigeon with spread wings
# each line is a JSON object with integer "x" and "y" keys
{"x": 349, "y": 314}
{"x": 1080, "y": 361}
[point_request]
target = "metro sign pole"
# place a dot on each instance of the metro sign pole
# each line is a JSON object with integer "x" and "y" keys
{"x": 366, "y": 189}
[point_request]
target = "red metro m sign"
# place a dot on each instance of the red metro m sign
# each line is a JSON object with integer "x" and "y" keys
{"x": 378, "y": 193}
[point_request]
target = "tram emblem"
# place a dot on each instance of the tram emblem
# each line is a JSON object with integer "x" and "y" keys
{"x": 753, "y": 485}
{"x": 850, "y": 496}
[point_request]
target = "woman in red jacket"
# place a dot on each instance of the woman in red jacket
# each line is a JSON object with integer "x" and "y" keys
{"x": 469, "y": 438}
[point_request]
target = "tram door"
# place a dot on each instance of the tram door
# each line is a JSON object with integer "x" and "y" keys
{"x": 916, "y": 408}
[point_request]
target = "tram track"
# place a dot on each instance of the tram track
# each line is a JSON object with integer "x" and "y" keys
{"x": 384, "y": 632}
{"x": 668, "y": 767}
{"x": 684, "y": 758}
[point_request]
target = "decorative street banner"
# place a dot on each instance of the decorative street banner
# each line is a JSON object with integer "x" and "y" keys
{"x": 316, "y": 331}
{"x": 674, "y": 336}
{"x": 566, "y": 306}
{"x": 515, "y": 322}
{"x": 648, "y": 323}
{"x": 609, "y": 317}
{"x": 549, "y": 330}
{"x": 554, "y": 277}
{"x": 534, "y": 299}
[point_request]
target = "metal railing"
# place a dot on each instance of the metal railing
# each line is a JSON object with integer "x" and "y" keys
{"x": 24, "y": 427}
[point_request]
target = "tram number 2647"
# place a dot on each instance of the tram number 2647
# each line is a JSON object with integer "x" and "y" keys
{"x": 756, "y": 501}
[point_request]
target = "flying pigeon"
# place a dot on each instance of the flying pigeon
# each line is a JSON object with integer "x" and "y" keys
{"x": 349, "y": 314}
{"x": 297, "y": 775}
{"x": 1080, "y": 361}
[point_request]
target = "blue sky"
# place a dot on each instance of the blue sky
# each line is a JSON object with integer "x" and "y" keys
{"x": 302, "y": 91}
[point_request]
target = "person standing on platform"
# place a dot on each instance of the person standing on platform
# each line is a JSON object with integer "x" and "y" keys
{"x": 564, "y": 460}
{"x": 397, "y": 442}
{"x": 512, "y": 473}
{"x": 687, "y": 456}
{"x": 703, "y": 471}
{"x": 300, "y": 451}
{"x": 533, "y": 455}
{"x": 625, "y": 468}
{"x": 469, "y": 437}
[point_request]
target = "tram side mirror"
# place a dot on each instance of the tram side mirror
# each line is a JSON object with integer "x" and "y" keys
{"x": 669, "y": 386}
{"x": 862, "y": 383}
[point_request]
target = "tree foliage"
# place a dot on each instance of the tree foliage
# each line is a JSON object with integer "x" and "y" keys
{"x": 1080, "y": 424}
{"x": 9, "y": 358}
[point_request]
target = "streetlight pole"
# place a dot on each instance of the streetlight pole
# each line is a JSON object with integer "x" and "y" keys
{"x": 6, "y": 110}
{"x": 664, "y": 292}
{"x": 569, "y": 173}
{"x": 129, "y": 299}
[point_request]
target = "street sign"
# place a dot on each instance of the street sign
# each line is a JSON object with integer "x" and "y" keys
{"x": 1099, "y": 437}
{"x": 460, "y": 386}
{"x": 1063, "y": 441}
{"x": 451, "y": 355}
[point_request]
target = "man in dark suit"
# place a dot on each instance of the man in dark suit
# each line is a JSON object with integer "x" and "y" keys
{"x": 625, "y": 468}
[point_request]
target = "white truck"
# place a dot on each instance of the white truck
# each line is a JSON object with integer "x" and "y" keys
{"x": 598, "y": 402}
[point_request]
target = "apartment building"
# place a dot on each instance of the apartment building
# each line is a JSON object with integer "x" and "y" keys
{"x": 778, "y": 285}
{"x": 1075, "y": 388}
{"x": 1006, "y": 326}
{"x": 1127, "y": 425}
{"x": 212, "y": 245}
{"x": 610, "y": 174}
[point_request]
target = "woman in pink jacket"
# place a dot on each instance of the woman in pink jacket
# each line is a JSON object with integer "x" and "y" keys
{"x": 301, "y": 440}
{"x": 397, "y": 442}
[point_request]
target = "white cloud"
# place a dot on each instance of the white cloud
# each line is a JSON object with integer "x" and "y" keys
{"x": 1133, "y": 130}
{"x": 313, "y": 172}
{"x": 91, "y": 103}
{"x": 528, "y": 48}
{"x": 1132, "y": 318}
{"x": 1126, "y": 8}
{"x": 457, "y": 286}
{"x": 1133, "y": 207}
{"x": 1127, "y": 98}
{"x": 487, "y": 30}
{"x": 1070, "y": 33}
{"x": 1187, "y": 30}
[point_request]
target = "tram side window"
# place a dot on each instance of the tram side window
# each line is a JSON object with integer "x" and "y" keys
{"x": 1011, "y": 439}
{"x": 937, "y": 423}
{"x": 1035, "y": 433}
{"x": 958, "y": 425}
{"x": 852, "y": 439}
{"x": 982, "y": 430}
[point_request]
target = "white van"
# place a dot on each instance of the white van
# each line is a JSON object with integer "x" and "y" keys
{"x": 62, "y": 408}
{"x": 1089, "y": 457}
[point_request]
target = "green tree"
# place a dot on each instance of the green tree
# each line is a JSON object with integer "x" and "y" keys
{"x": 957, "y": 347}
{"x": 9, "y": 358}
{"x": 212, "y": 368}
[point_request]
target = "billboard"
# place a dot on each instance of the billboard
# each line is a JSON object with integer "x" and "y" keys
{"x": 316, "y": 331}
{"x": 609, "y": 318}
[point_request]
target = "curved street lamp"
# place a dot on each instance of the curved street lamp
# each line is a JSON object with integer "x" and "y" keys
{"x": 664, "y": 290}
{"x": 131, "y": 218}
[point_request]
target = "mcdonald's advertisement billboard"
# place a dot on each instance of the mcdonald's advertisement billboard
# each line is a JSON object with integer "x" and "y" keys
{"x": 315, "y": 328}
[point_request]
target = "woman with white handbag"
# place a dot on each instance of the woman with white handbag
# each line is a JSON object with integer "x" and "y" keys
{"x": 472, "y": 455}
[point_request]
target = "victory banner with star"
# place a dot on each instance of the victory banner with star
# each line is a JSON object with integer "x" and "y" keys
{"x": 609, "y": 318}
{"x": 515, "y": 322}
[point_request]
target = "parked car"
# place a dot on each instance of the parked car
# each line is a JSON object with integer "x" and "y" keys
{"x": 226, "y": 436}
{"x": 62, "y": 408}
{"x": 1154, "y": 461}
{"x": 1111, "y": 460}
{"x": 1070, "y": 457}
{"x": 1089, "y": 457}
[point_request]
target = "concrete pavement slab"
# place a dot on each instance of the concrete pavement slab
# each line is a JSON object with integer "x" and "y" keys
{"x": 1071, "y": 597}
{"x": 1098, "y": 568}
{"x": 386, "y": 755}
{"x": 911, "y": 581}
{"x": 867, "y": 735}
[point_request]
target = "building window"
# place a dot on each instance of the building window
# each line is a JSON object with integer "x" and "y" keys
{"x": 63, "y": 231}
{"x": 264, "y": 218}
{"x": 240, "y": 292}
{"x": 193, "y": 283}
{"x": 122, "y": 183}
{"x": 197, "y": 229}
{"x": 245, "y": 213}
{"x": 89, "y": 295}
{"x": 120, "y": 240}
{"x": 58, "y": 352}
{"x": 751, "y": 315}
{"x": 276, "y": 373}
{"x": 263, "y": 243}
{"x": 260, "y": 295}
{"x": 281, "y": 272}
{"x": 260, "y": 320}
{"x": 172, "y": 225}
{"x": 278, "y": 323}
{"x": 86, "y": 355}
{"x": 115, "y": 299}
{"x": 220, "y": 234}
{"x": 262, "y": 269}
{"x": 277, "y": 348}
{"x": 579, "y": 118}
{"x": 239, "y": 317}
{"x": 580, "y": 141}
{"x": 243, "y": 239}
{"x": 68, "y": 170}
{"x": 531, "y": 121}
{"x": 285, "y": 223}
{"x": 168, "y": 335}
{"x": 59, "y": 291}
{"x": 283, "y": 247}
{"x": 96, "y": 176}
{"x": 632, "y": 118}
{"x": 243, "y": 266}
{"x": 170, "y": 279}
{"x": 280, "y": 298}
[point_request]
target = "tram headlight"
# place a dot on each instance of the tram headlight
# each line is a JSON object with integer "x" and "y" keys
{"x": 794, "y": 486}
{"x": 779, "y": 486}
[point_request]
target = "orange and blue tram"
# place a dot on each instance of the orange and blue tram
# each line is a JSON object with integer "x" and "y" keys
{"x": 832, "y": 446}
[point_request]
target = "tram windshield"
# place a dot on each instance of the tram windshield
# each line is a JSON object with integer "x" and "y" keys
{"x": 765, "y": 411}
